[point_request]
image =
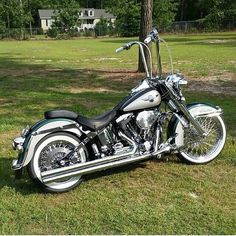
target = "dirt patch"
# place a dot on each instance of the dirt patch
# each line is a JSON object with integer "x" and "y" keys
{"x": 219, "y": 83}
{"x": 218, "y": 41}
{"x": 84, "y": 90}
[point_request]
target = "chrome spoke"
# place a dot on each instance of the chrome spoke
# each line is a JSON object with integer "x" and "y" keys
{"x": 197, "y": 146}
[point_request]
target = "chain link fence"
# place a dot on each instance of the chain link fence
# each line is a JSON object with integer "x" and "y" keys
{"x": 39, "y": 33}
{"x": 198, "y": 26}
{"x": 59, "y": 33}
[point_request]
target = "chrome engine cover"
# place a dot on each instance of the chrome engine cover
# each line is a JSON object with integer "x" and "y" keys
{"x": 146, "y": 119}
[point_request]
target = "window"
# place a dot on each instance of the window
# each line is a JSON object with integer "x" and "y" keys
{"x": 90, "y": 21}
{"x": 90, "y": 13}
{"x": 46, "y": 22}
{"x": 86, "y": 12}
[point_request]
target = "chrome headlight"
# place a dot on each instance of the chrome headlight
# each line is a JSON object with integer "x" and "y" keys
{"x": 176, "y": 80}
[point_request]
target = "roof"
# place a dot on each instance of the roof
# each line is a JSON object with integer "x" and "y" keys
{"x": 98, "y": 13}
{"x": 46, "y": 13}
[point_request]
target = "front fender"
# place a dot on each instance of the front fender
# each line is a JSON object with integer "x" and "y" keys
{"x": 209, "y": 109}
{"x": 39, "y": 131}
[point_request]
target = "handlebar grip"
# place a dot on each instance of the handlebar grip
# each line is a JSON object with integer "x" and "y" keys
{"x": 119, "y": 49}
{"x": 148, "y": 40}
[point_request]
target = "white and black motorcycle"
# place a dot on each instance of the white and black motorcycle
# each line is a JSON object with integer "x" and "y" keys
{"x": 64, "y": 146}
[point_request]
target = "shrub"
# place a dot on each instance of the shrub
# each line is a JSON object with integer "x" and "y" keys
{"x": 101, "y": 28}
{"x": 52, "y": 32}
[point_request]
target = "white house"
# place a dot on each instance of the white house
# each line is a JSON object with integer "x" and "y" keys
{"x": 88, "y": 17}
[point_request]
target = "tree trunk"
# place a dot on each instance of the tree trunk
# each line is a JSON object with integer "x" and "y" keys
{"x": 145, "y": 29}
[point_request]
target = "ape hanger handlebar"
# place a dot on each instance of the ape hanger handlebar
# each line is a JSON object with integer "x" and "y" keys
{"x": 140, "y": 45}
{"x": 152, "y": 37}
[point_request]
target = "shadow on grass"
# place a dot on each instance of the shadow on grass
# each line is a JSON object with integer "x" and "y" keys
{"x": 7, "y": 179}
{"x": 213, "y": 43}
{"x": 29, "y": 89}
{"x": 26, "y": 186}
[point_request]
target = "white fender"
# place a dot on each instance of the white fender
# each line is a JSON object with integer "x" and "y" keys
{"x": 47, "y": 127}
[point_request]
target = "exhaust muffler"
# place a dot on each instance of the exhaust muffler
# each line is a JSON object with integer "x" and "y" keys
{"x": 93, "y": 166}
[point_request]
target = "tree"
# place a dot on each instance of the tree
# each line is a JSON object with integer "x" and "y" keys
{"x": 164, "y": 12}
{"x": 221, "y": 13}
{"x": 127, "y": 14}
{"x": 101, "y": 28}
{"x": 14, "y": 15}
{"x": 145, "y": 28}
{"x": 67, "y": 12}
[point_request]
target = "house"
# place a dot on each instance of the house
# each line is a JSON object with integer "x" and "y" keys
{"x": 89, "y": 17}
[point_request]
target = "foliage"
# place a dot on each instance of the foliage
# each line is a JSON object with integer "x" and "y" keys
{"x": 221, "y": 15}
{"x": 127, "y": 14}
{"x": 102, "y": 27}
{"x": 14, "y": 14}
{"x": 164, "y": 12}
{"x": 52, "y": 32}
{"x": 66, "y": 18}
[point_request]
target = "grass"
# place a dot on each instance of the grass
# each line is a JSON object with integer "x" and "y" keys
{"x": 155, "y": 197}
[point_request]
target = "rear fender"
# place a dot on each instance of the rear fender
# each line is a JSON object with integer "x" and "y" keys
{"x": 40, "y": 130}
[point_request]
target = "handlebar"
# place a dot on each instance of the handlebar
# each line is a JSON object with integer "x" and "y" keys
{"x": 153, "y": 36}
{"x": 119, "y": 49}
{"x": 141, "y": 45}
{"x": 125, "y": 47}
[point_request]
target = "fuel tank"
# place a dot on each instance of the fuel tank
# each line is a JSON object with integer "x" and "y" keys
{"x": 143, "y": 99}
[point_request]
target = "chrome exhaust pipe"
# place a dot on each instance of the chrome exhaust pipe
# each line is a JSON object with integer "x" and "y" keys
{"x": 93, "y": 166}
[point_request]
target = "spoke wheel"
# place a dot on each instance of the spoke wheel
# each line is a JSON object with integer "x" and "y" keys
{"x": 201, "y": 148}
{"x": 52, "y": 153}
{"x": 197, "y": 149}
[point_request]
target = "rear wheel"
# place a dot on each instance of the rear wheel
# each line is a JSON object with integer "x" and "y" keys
{"x": 50, "y": 154}
{"x": 197, "y": 149}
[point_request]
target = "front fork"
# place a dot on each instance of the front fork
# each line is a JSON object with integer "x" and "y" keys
{"x": 178, "y": 106}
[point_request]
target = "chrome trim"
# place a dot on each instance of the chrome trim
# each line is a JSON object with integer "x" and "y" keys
{"x": 17, "y": 144}
{"x": 143, "y": 85}
{"x": 97, "y": 165}
{"x": 210, "y": 113}
{"x": 15, "y": 165}
{"x": 25, "y": 131}
{"x": 182, "y": 121}
{"x": 180, "y": 107}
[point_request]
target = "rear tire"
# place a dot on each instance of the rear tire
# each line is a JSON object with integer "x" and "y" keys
{"x": 48, "y": 153}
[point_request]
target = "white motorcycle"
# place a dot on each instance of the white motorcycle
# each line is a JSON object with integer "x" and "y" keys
{"x": 64, "y": 146}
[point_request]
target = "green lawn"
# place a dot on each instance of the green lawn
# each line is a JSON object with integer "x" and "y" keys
{"x": 155, "y": 197}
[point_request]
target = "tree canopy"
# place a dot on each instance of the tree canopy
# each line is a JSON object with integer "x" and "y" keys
{"x": 20, "y": 14}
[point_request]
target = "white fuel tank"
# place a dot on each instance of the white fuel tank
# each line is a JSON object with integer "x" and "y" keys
{"x": 143, "y": 99}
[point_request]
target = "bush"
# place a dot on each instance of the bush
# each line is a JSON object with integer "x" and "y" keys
{"x": 101, "y": 28}
{"x": 89, "y": 33}
{"x": 52, "y": 32}
{"x": 73, "y": 32}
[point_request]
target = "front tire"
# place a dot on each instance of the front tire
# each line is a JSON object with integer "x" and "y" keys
{"x": 49, "y": 154}
{"x": 201, "y": 150}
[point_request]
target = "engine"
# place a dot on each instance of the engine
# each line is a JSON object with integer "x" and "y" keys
{"x": 140, "y": 127}
{"x": 146, "y": 119}
{"x": 133, "y": 129}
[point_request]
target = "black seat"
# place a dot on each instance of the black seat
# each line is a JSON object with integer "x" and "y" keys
{"x": 98, "y": 122}
{"x": 60, "y": 114}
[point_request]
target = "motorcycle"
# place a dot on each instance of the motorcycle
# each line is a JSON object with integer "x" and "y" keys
{"x": 65, "y": 146}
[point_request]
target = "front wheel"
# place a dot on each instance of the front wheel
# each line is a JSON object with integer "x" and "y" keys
{"x": 197, "y": 149}
{"x": 50, "y": 154}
